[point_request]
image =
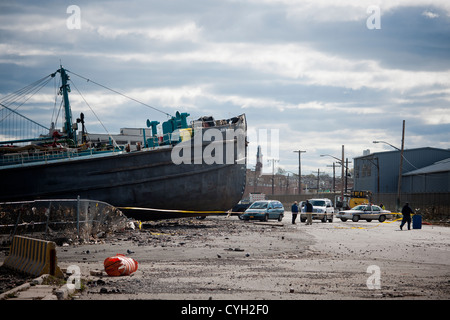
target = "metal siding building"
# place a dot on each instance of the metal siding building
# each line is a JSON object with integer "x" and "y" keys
{"x": 378, "y": 172}
{"x": 434, "y": 178}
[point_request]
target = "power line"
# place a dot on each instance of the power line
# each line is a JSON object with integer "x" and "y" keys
{"x": 14, "y": 97}
{"x": 112, "y": 138}
{"x": 119, "y": 93}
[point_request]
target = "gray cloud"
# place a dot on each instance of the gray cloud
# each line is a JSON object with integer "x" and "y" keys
{"x": 310, "y": 69}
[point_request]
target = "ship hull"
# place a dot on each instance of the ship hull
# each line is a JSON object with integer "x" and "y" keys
{"x": 145, "y": 184}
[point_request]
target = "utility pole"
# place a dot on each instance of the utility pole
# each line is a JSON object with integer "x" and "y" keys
{"x": 341, "y": 161}
{"x": 287, "y": 184}
{"x": 346, "y": 173}
{"x": 273, "y": 173}
{"x": 256, "y": 179}
{"x": 318, "y": 180}
{"x": 342, "y": 175}
{"x": 299, "y": 170}
{"x": 334, "y": 176}
{"x": 399, "y": 187}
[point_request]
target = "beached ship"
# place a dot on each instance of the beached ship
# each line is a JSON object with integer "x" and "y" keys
{"x": 187, "y": 170}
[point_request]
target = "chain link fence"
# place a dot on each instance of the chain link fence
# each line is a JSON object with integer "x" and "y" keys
{"x": 60, "y": 220}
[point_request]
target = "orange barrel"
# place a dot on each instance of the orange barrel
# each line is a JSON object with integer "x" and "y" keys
{"x": 120, "y": 265}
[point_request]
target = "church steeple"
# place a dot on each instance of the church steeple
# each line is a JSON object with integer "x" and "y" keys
{"x": 258, "y": 161}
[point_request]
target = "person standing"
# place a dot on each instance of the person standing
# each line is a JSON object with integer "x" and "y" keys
{"x": 308, "y": 211}
{"x": 406, "y": 212}
{"x": 294, "y": 210}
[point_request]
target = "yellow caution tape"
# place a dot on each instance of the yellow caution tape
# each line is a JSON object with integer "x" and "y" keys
{"x": 360, "y": 228}
{"x": 392, "y": 220}
{"x": 371, "y": 227}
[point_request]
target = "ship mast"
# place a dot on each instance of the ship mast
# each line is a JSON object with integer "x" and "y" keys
{"x": 64, "y": 90}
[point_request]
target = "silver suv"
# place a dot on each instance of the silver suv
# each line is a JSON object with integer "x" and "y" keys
{"x": 322, "y": 210}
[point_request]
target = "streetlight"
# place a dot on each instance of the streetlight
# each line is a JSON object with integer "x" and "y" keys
{"x": 387, "y": 144}
{"x": 329, "y": 155}
{"x": 342, "y": 170}
{"x": 338, "y": 160}
{"x": 399, "y": 184}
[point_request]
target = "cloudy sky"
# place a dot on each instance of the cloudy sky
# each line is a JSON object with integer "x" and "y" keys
{"x": 318, "y": 74}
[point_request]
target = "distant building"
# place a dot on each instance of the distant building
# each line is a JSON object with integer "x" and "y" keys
{"x": 423, "y": 170}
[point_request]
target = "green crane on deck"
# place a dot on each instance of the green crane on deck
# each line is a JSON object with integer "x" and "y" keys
{"x": 64, "y": 90}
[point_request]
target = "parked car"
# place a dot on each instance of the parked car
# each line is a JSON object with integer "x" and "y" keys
{"x": 241, "y": 206}
{"x": 367, "y": 212}
{"x": 322, "y": 210}
{"x": 264, "y": 210}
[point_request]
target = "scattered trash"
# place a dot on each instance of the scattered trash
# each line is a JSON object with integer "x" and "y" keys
{"x": 120, "y": 265}
{"x": 101, "y": 235}
{"x": 96, "y": 273}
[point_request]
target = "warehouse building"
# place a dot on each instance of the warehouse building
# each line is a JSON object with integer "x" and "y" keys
{"x": 433, "y": 178}
{"x": 424, "y": 170}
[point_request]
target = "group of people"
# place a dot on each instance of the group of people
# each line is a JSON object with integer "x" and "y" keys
{"x": 406, "y": 212}
{"x": 308, "y": 211}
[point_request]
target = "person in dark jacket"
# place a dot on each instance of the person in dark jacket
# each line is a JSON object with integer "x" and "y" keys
{"x": 308, "y": 211}
{"x": 406, "y": 212}
{"x": 294, "y": 210}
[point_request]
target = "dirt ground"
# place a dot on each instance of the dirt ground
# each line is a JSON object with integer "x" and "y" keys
{"x": 224, "y": 258}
